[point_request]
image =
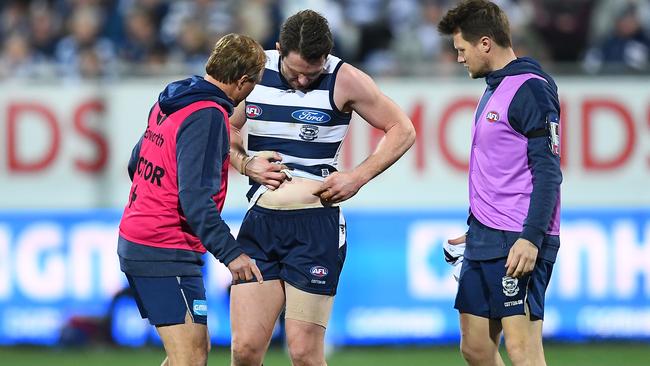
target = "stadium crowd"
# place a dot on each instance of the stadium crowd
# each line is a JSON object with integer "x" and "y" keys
{"x": 108, "y": 39}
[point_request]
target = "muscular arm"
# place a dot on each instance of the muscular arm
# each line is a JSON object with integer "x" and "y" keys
{"x": 356, "y": 91}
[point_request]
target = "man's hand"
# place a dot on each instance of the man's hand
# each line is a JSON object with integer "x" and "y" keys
{"x": 338, "y": 187}
{"x": 521, "y": 258}
{"x": 264, "y": 168}
{"x": 458, "y": 240}
{"x": 243, "y": 268}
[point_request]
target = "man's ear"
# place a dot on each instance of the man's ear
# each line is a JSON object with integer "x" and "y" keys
{"x": 241, "y": 81}
{"x": 277, "y": 47}
{"x": 485, "y": 44}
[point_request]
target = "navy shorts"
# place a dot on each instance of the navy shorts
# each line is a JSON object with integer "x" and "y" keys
{"x": 305, "y": 247}
{"x": 166, "y": 300}
{"x": 485, "y": 290}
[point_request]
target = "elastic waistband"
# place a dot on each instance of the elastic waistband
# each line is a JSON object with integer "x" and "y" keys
{"x": 316, "y": 211}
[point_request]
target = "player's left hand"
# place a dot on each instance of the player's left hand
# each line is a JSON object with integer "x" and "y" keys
{"x": 521, "y": 258}
{"x": 338, "y": 187}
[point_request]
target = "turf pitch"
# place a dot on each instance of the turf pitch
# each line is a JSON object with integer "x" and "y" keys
{"x": 592, "y": 354}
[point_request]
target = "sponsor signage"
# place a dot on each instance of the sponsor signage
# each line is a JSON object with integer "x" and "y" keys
{"x": 395, "y": 286}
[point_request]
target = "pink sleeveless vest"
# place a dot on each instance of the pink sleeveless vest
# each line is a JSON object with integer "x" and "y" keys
{"x": 500, "y": 181}
{"x": 155, "y": 217}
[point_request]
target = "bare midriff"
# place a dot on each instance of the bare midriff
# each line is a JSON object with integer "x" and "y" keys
{"x": 292, "y": 194}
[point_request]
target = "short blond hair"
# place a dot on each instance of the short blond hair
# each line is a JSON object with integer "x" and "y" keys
{"x": 233, "y": 56}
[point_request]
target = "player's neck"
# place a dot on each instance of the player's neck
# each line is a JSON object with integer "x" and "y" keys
{"x": 228, "y": 89}
{"x": 502, "y": 57}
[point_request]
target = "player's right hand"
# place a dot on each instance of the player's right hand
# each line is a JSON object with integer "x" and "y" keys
{"x": 243, "y": 268}
{"x": 265, "y": 169}
{"x": 458, "y": 240}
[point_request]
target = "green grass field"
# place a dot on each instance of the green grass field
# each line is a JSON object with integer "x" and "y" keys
{"x": 598, "y": 354}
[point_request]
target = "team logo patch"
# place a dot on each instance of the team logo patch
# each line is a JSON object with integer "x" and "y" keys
{"x": 308, "y": 132}
{"x": 253, "y": 111}
{"x": 200, "y": 307}
{"x": 492, "y": 116}
{"x": 553, "y": 126}
{"x": 318, "y": 271}
{"x": 510, "y": 286}
{"x": 311, "y": 116}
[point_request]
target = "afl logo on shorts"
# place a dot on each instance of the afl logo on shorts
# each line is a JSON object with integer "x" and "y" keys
{"x": 253, "y": 111}
{"x": 492, "y": 116}
{"x": 318, "y": 271}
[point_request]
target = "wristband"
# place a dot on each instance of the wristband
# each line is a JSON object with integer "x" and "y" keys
{"x": 244, "y": 163}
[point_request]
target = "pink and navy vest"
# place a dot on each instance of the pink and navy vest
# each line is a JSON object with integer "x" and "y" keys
{"x": 154, "y": 218}
{"x": 500, "y": 180}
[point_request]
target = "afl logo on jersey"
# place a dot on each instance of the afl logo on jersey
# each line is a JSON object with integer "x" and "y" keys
{"x": 318, "y": 271}
{"x": 492, "y": 116}
{"x": 253, "y": 111}
{"x": 311, "y": 116}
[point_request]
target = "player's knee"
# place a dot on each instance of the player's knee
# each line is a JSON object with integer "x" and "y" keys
{"x": 518, "y": 352}
{"x": 303, "y": 355}
{"x": 476, "y": 354}
{"x": 245, "y": 353}
{"x": 305, "y": 351}
{"x": 198, "y": 357}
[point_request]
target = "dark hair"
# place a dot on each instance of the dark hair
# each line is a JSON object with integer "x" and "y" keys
{"x": 308, "y": 34}
{"x": 476, "y": 19}
{"x": 234, "y": 56}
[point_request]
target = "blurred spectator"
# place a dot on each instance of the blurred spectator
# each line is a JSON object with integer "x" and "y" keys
{"x": 192, "y": 47}
{"x": 13, "y": 17}
{"x": 85, "y": 26}
{"x": 91, "y": 38}
{"x": 372, "y": 20}
{"x": 213, "y": 17}
{"x": 564, "y": 26}
{"x": 18, "y": 60}
{"x": 628, "y": 49}
{"x": 417, "y": 44}
{"x": 45, "y": 28}
{"x": 259, "y": 19}
{"x": 607, "y": 12}
{"x": 141, "y": 37}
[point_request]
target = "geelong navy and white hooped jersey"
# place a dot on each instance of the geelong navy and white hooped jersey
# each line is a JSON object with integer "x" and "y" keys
{"x": 306, "y": 128}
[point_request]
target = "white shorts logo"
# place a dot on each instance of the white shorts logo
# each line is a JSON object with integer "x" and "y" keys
{"x": 510, "y": 286}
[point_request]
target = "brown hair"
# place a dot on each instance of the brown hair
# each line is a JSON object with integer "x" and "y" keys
{"x": 234, "y": 56}
{"x": 476, "y": 19}
{"x": 308, "y": 34}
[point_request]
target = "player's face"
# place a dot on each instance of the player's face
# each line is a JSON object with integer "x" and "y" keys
{"x": 299, "y": 73}
{"x": 471, "y": 56}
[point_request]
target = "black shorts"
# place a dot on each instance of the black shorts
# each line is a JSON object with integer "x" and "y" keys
{"x": 166, "y": 300}
{"x": 485, "y": 290}
{"x": 304, "y": 247}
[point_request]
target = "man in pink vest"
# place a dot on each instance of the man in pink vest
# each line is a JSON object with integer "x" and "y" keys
{"x": 179, "y": 170}
{"x": 514, "y": 191}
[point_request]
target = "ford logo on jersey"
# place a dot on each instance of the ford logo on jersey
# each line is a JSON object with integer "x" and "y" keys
{"x": 253, "y": 111}
{"x": 311, "y": 116}
{"x": 318, "y": 271}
